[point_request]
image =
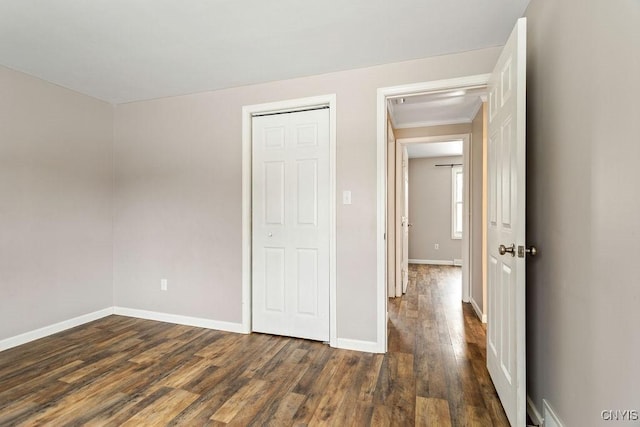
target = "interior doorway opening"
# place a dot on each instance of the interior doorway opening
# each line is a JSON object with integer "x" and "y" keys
{"x": 430, "y": 113}
{"x": 431, "y": 214}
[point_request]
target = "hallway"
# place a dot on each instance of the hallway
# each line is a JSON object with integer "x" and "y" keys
{"x": 442, "y": 344}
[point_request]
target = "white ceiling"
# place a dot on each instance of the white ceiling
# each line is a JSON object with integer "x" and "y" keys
{"x": 435, "y": 149}
{"x": 127, "y": 50}
{"x": 443, "y": 108}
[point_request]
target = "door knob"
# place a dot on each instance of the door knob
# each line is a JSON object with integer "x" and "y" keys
{"x": 507, "y": 249}
{"x": 270, "y": 234}
{"x": 532, "y": 250}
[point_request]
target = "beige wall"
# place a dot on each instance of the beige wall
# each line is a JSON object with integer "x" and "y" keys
{"x": 583, "y": 206}
{"x": 430, "y": 210}
{"x": 178, "y": 191}
{"x": 55, "y": 204}
{"x": 477, "y": 144}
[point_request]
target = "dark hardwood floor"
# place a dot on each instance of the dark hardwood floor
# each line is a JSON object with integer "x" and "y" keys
{"x": 126, "y": 371}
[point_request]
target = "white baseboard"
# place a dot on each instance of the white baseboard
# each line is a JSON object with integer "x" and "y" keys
{"x": 479, "y": 313}
{"x": 431, "y": 261}
{"x": 549, "y": 416}
{"x": 343, "y": 343}
{"x": 180, "y": 320}
{"x": 533, "y": 412}
{"x": 357, "y": 345}
{"x": 53, "y": 329}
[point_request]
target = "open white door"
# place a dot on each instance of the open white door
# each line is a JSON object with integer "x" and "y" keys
{"x": 290, "y": 236}
{"x": 406, "y": 224}
{"x": 506, "y": 356}
{"x": 402, "y": 218}
{"x": 391, "y": 213}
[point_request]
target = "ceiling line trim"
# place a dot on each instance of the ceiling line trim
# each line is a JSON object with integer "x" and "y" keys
{"x": 431, "y": 123}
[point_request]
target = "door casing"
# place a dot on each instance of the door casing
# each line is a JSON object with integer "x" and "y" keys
{"x": 286, "y": 106}
{"x": 381, "y": 181}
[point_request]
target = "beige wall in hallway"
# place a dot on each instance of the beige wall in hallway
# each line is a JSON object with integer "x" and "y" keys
{"x": 430, "y": 210}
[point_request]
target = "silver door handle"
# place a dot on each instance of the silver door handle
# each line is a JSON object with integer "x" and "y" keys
{"x": 507, "y": 249}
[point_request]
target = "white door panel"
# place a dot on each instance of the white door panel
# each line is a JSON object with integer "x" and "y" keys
{"x": 402, "y": 220}
{"x": 273, "y": 191}
{"x": 274, "y": 279}
{"x": 405, "y": 224}
{"x": 290, "y": 220}
{"x": 391, "y": 213}
{"x": 399, "y": 219}
{"x": 506, "y": 216}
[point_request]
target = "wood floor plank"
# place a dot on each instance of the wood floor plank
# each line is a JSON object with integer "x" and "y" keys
{"x": 235, "y": 404}
{"x": 317, "y": 365}
{"x": 187, "y": 372}
{"x": 287, "y": 407}
{"x": 25, "y": 389}
{"x": 432, "y": 412}
{"x": 153, "y": 354}
{"x": 397, "y": 394}
{"x": 318, "y": 389}
{"x": 15, "y": 410}
{"x": 368, "y": 387}
{"x": 126, "y": 371}
{"x": 352, "y": 408}
{"x": 339, "y": 384}
{"x": 163, "y": 410}
{"x": 272, "y": 348}
{"x": 282, "y": 379}
{"x": 260, "y": 407}
{"x": 89, "y": 368}
{"x": 216, "y": 385}
{"x": 84, "y": 413}
{"x": 477, "y": 417}
{"x": 381, "y": 416}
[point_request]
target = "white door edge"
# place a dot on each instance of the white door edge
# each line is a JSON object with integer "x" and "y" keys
{"x": 467, "y": 231}
{"x": 399, "y": 219}
{"x": 283, "y": 106}
{"x": 381, "y": 182}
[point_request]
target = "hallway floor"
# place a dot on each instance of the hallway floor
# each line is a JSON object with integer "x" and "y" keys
{"x": 443, "y": 344}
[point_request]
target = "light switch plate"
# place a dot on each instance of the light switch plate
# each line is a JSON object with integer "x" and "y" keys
{"x": 346, "y": 197}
